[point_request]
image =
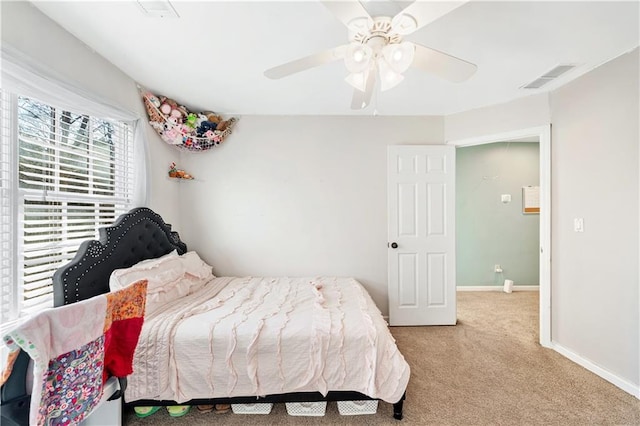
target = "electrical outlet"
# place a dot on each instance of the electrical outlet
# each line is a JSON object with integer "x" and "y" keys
{"x": 497, "y": 268}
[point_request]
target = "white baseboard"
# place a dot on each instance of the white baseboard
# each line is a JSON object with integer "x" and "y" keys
{"x": 496, "y": 288}
{"x": 599, "y": 371}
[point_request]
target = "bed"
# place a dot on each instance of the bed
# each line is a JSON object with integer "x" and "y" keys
{"x": 235, "y": 340}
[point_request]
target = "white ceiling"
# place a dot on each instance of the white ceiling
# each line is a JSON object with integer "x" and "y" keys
{"x": 213, "y": 56}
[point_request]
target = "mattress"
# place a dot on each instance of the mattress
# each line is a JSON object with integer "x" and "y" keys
{"x": 257, "y": 336}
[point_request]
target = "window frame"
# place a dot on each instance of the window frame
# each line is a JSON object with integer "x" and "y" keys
{"x": 121, "y": 176}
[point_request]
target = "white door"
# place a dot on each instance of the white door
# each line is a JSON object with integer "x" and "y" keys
{"x": 422, "y": 255}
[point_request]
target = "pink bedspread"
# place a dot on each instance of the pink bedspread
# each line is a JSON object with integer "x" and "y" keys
{"x": 260, "y": 336}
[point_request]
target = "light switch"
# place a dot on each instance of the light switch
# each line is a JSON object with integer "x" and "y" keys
{"x": 506, "y": 198}
{"x": 578, "y": 224}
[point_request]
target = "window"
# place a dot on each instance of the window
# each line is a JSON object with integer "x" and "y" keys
{"x": 63, "y": 175}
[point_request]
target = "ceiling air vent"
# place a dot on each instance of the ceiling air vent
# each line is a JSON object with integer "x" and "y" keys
{"x": 548, "y": 77}
{"x": 158, "y": 8}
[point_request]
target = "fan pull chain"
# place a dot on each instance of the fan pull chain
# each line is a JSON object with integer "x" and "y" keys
{"x": 375, "y": 100}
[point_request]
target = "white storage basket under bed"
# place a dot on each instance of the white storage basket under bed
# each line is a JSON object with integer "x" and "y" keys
{"x": 257, "y": 408}
{"x": 352, "y": 408}
{"x": 306, "y": 408}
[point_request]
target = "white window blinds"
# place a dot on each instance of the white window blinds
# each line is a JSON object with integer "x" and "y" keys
{"x": 67, "y": 161}
{"x": 74, "y": 174}
{"x": 7, "y": 216}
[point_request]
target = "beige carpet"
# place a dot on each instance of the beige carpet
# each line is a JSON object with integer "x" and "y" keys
{"x": 487, "y": 370}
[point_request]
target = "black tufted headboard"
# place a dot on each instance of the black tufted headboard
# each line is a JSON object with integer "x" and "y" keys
{"x": 138, "y": 235}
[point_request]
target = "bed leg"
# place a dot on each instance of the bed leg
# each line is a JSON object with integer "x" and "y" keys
{"x": 397, "y": 408}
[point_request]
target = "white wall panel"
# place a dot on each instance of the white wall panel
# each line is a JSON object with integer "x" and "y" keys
{"x": 436, "y": 210}
{"x": 595, "y": 297}
{"x": 300, "y": 196}
{"x": 407, "y": 214}
{"x": 409, "y": 274}
{"x": 437, "y": 279}
{"x": 529, "y": 111}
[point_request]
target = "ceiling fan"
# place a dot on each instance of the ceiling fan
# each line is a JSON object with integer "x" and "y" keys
{"x": 377, "y": 51}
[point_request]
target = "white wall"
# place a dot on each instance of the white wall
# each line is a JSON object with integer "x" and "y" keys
{"x": 523, "y": 113}
{"x": 595, "y": 301}
{"x": 594, "y": 175}
{"x": 298, "y": 196}
{"x": 25, "y": 28}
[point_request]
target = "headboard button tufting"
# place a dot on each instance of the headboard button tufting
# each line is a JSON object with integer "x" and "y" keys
{"x": 120, "y": 246}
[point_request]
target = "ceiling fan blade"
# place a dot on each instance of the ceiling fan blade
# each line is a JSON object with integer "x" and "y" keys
{"x": 307, "y": 62}
{"x": 350, "y": 13}
{"x": 421, "y": 13}
{"x": 362, "y": 99}
{"x": 443, "y": 65}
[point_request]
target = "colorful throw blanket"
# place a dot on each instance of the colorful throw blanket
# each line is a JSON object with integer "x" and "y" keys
{"x": 75, "y": 348}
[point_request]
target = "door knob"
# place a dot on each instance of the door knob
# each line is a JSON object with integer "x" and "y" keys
{"x": 394, "y": 245}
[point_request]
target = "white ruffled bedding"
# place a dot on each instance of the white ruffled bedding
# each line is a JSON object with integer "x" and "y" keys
{"x": 261, "y": 336}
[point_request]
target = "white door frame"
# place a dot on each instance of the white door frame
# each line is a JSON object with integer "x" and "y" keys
{"x": 544, "y": 137}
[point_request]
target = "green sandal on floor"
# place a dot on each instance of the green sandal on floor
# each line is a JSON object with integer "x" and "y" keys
{"x": 178, "y": 410}
{"x": 145, "y": 411}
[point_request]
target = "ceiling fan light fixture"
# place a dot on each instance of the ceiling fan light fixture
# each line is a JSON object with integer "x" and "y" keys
{"x": 358, "y": 57}
{"x": 389, "y": 78}
{"x": 399, "y": 56}
{"x": 358, "y": 80}
{"x": 376, "y": 50}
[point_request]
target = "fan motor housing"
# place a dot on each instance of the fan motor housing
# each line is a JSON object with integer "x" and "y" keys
{"x": 380, "y": 30}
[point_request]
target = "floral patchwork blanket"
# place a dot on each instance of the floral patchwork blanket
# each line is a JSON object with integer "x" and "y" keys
{"x": 75, "y": 348}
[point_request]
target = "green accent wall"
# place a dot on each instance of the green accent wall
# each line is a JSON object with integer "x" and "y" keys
{"x": 488, "y": 231}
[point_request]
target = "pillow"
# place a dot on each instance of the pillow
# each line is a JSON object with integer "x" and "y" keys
{"x": 195, "y": 266}
{"x": 150, "y": 263}
{"x": 158, "y": 272}
{"x": 169, "y": 278}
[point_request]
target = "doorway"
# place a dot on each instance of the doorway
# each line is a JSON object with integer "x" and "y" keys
{"x": 543, "y": 135}
{"x": 497, "y": 237}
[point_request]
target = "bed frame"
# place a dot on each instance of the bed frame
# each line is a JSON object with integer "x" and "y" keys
{"x": 135, "y": 236}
